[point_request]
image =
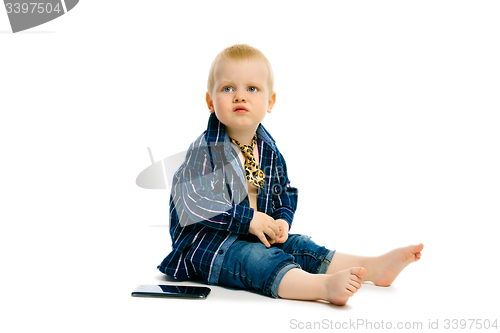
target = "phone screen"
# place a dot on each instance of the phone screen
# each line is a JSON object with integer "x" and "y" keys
{"x": 171, "y": 291}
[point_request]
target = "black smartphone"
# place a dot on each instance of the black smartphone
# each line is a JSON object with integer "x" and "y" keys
{"x": 171, "y": 291}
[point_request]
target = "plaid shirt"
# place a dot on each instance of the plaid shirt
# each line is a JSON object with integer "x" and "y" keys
{"x": 209, "y": 205}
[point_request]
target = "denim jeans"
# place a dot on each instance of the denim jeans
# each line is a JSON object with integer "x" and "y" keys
{"x": 248, "y": 264}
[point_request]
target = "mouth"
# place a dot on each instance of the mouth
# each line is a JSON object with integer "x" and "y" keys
{"x": 240, "y": 109}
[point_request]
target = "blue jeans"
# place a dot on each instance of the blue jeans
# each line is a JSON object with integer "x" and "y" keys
{"x": 248, "y": 264}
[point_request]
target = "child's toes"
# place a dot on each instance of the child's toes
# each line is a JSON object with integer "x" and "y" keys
{"x": 355, "y": 284}
{"x": 358, "y": 271}
{"x": 418, "y": 248}
{"x": 351, "y": 288}
{"x": 356, "y": 278}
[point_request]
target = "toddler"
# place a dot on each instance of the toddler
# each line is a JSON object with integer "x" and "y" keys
{"x": 232, "y": 205}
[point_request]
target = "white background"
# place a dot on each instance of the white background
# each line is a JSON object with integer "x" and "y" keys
{"x": 400, "y": 99}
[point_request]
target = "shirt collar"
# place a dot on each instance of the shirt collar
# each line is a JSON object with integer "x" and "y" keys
{"x": 217, "y": 135}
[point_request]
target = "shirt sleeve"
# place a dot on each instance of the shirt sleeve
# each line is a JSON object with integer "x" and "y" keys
{"x": 285, "y": 197}
{"x": 203, "y": 193}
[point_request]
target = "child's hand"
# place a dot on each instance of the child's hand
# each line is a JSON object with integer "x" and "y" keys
{"x": 263, "y": 225}
{"x": 284, "y": 228}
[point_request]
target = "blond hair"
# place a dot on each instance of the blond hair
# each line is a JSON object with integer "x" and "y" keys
{"x": 240, "y": 52}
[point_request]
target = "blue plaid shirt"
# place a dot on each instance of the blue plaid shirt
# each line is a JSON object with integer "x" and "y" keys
{"x": 209, "y": 205}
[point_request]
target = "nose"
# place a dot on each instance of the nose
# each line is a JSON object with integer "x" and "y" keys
{"x": 239, "y": 99}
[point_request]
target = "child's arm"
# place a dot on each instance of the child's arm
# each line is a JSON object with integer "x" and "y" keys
{"x": 284, "y": 196}
{"x": 200, "y": 193}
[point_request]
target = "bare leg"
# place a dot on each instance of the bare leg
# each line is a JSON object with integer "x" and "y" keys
{"x": 381, "y": 270}
{"x": 335, "y": 288}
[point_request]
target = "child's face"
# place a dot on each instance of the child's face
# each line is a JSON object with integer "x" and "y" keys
{"x": 240, "y": 84}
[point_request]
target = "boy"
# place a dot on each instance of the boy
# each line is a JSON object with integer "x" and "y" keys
{"x": 232, "y": 205}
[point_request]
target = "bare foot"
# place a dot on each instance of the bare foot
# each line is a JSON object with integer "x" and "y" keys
{"x": 343, "y": 284}
{"x": 386, "y": 268}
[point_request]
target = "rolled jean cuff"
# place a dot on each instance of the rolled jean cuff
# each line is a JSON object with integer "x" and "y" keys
{"x": 279, "y": 276}
{"x": 325, "y": 262}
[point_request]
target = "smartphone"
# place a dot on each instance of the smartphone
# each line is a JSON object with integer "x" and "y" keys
{"x": 171, "y": 291}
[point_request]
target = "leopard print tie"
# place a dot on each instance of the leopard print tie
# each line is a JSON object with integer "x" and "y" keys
{"x": 253, "y": 173}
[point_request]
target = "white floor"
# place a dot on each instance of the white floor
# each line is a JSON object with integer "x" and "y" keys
{"x": 86, "y": 287}
{"x": 435, "y": 289}
{"x": 441, "y": 286}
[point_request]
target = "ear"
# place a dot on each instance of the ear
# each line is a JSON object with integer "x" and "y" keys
{"x": 272, "y": 100}
{"x": 210, "y": 103}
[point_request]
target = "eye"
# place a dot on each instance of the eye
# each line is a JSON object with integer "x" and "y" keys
{"x": 252, "y": 89}
{"x": 227, "y": 89}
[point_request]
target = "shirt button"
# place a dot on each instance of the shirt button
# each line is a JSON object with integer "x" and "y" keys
{"x": 277, "y": 189}
{"x": 221, "y": 251}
